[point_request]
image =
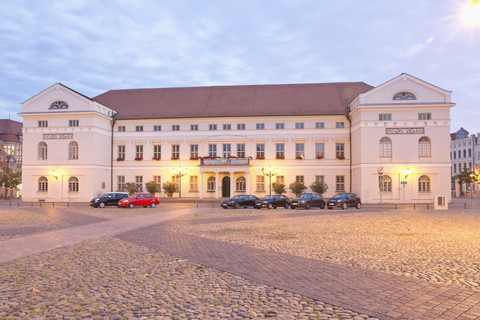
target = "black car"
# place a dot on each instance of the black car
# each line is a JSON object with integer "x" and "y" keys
{"x": 108, "y": 199}
{"x": 344, "y": 200}
{"x": 308, "y": 200}
{"x": 245, "y": 200}
{"x": 273, "y": 201}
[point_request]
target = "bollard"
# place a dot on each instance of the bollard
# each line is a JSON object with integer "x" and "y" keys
{"x": 10, "y": 203}
{"x": 68, "y": 204}
{"x": 32, "y": 204}
{"x": 465, "y": 205}
{"x": 18, "y": 204}
{"x": 414, "y": 206}
{"x": 427, "y": 206}
{"x": 53, "y": 204}
{"x": 197, "y": 204}
{"x": 395, "y": 206}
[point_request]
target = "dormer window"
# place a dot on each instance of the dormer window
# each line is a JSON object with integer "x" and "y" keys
{"x": 405, "y": 95}
{"x": 59, "y": 105}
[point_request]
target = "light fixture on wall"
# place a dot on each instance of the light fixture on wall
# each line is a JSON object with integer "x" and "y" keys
{"x": 270, "y": 174}
{"x": 54, "y": 174}
{"x": 407, "y": 173}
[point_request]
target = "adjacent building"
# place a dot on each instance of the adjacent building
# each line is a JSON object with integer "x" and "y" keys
{"x": 385, "y": 143}
{"x": 464, "y": 152}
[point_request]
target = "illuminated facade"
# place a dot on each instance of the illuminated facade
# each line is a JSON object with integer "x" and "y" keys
{"x": 229, "y": 138}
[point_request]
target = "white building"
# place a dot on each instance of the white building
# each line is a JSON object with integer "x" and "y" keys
{"x": 227, "y": 137}
{"x": 464, "y": 152}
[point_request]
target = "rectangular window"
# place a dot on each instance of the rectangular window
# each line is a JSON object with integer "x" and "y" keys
{"x": 158, "y": 180}
{"x": 424, "y": 116}
{"x": 42, "y": 123}
{"x": 227, "y": 150}
{"x": 121, "y": 128}
{"x": 175, "y": 127}
{"x": 260, "y": 183}
{"x": 157, "y": 128}
{"x": 469, "y": 153}
{"x": 340, "y": 125}
{"x": 454, "y": 155}
{"x": 464, "y": 153}
{"x": 299, "y": 150}
{"x": 120, "y": 183}
{"x": 157, "y": 151}
{"x": 227, "y": 126}
{"x": 241, "y": 126}
{"x": 260, "y": 126}
{"x": 280, "y": 150}
{"x": 175, "y": 151}
{"x": 193, "y": 151}
{"x": 194, "y": 127}
{"x": 212, "y": 150}
{"x": 139, "y": 151}
{"x": 385, "y": 116}
{"x": 139, "y": 128}
{"x": 212, "y": 127}
{"x": 300, "y": 179}
{"x": 241, "y": 150}
{"x": 279, "y": 125}
{"x": 280, "y": 179}
{"x": 299, "y": 125}
{"x": 340, "y": 150}
{"x": 454, "y": 168}
{"x": 121, "y": 152}
{"x": 459, "y": 154}
{"x": 194, "y": 183}
{"x": 73, "y": 123}
{"x": 339, "y": 183}
{"x": 320, "y": 179}
{"x": 319, "y": 125}
{"x": 139, "y": 182}
{"x": 260, "y": 151}
{"x": 319, "y": 150}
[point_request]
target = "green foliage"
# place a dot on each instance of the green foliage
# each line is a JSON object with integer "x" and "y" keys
{"x": 466, "y": 176}
{"x": 131, "y": 187}
{"x": 279, "y": 188}
{"x": 297, "y": 187}
{"x": 169, "y": 187}
{"x": 319, "y": 187}
{"x": 152, "y": 187}
{"x": 10, "y": 178}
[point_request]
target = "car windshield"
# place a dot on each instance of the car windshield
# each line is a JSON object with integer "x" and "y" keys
{"x": 339, "y": 196}
{"x": 236, "y": 198}
{"x": 304, "y": 196}
{"x": 105, "y": 195}
{"x": 268, "y": 198}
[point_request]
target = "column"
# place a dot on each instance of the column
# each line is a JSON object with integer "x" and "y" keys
{"x": 201, "y": 185}
{"x": 247, "y": 178}
{"x": 216, "y": 185}
{"x": 232, "y": 184}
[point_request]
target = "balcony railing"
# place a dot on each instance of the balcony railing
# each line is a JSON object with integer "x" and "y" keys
{"x": 225, "y": 162}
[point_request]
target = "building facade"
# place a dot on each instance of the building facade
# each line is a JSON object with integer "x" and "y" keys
{"x": 385, "y": 143}
{"x": 11, "y": 136}
{"x": 464, "y": 152}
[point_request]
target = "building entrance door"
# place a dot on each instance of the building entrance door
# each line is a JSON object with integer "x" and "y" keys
{"x": 226, "y": 187}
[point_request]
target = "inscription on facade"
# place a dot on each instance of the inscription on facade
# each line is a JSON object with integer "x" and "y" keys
{"x": 57, "y": 136}
{"x": 404, "y": 130}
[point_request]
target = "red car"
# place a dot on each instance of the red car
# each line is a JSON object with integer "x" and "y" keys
{"x": 139, "y": 200}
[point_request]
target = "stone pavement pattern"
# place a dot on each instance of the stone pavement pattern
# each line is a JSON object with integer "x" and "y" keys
{"x": 382, "y": 295}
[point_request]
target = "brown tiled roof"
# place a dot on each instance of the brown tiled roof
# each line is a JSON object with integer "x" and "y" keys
{"x": 10, "y": 130}
{"x": 223, "y": 101}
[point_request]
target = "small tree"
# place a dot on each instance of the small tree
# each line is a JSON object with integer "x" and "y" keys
{"x": 278, "y": 188}
{"x": 169, "y": 188}
{"x": 297, "y": 188}
{"x": 466, "y": 176}
{"x": 131, "y": 187}
{"x": 10, "y": 178}
{"x": 319, "y": 187}
{"x": 152, "y": 187}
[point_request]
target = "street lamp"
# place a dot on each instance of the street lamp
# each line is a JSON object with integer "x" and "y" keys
{"x": 270, "y": 173}
{"x": 54, "y": 174}
{"x": 473, "y": 177}
{"x": 179, "y": 173}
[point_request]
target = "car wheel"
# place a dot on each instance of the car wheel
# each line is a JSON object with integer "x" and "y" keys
{"x": 131, "y": 205}
{"x": 153, "y": 205}
{"x": 292, "y": 207}
{"x": 270, "y": 206}
{"x": 307, "y": 205}
{"x": 101, "y": 204}
{"x": 322, "y": 205}
{"x": 359, "y": 205}
{"x": 236, "y": 206}
{"x": 287, "y": 206}
{"x": 344, "y": 205}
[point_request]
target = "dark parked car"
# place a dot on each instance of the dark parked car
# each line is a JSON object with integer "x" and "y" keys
{"x": 139, "y": 200}
{"x": 308, "y": 200}
{"x": 273, "y": 201}
{"x": 108, "y": 199}
{"x": 344, "y": 200}
{"x": 245, "y": 200}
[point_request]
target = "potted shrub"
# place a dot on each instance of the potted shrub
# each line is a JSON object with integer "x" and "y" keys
{"x": 341, "y": 157}
{"x": 319, "y": 157}
{"x": 297, "y": 188}
{"x": 279, "y": 158}
{"x": 279, "y": 188}
{"x": 170, "y": 188}
{"x": 319, "y": 187}
{"x": 175, "y": 158}
{"x": 131, "y": 187}
{"x": 299, "y": 157}
{"x": 120, "y": 159}
{"x": 231, "y": 157}
{"x": 138, "y": 159}
{"x": 155, "y": 158}
{"x": 260, "y": 158}
{"x": 152, "y": 187}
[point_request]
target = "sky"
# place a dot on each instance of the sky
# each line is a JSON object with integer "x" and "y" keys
{"x": 94, "y": 46}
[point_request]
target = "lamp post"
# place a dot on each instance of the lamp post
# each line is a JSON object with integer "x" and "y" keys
{"x": 406, "y": 174}
{"x": 270, "y": 173}
{"x": 473, "y": 178}
{"x": 179, "y": 173}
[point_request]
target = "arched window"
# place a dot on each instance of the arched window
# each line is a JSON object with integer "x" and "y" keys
{"x": 73, "y": 150}
{"x": 211, "y": 184}
{"x": 42, "y": 184}
{"x": 404, "y": 96}
{"x": 385, "y": 147}
{"x": 386, "y": 184}
{"x": 424, "y": 184}
{"x": 42, "y": 151}
{"x": 73, "y": 184}
{"x": 241, "y": 184}
{"x": 424, "y": 147}
{"x": 59, "y": 105}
